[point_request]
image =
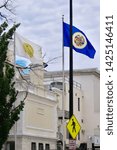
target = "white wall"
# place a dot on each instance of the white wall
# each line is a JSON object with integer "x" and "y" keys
{"x": 40, "y": 117}
{"x": 91, "y": 103}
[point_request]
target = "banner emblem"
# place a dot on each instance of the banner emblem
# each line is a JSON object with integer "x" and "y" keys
{"x": 79, "y": 40}
{"x": 28, "y": 49}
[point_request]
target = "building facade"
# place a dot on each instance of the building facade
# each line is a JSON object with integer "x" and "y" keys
{"x": 86, "y": 104}
{"x": 41, "y": 125}
{"x": 37, "y": 127}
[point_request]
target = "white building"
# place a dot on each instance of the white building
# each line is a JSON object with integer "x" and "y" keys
{"x": 37, "y": 127}
{"x": 86, "y": 102}
{"x": 40, "y": 125}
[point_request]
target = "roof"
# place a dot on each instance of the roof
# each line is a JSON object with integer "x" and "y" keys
{"x": 78, "y": 72}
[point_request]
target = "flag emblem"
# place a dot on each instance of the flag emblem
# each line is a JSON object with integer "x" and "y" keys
{"x": 28, "y": 49}
{"x": 79, "y": 40}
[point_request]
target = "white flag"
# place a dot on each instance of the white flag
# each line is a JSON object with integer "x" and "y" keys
{"x": 26, "y": 49}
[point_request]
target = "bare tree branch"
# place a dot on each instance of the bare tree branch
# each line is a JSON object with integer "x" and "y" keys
{"x": 3, "y": 16}
{"x": 55, "y": 58}
{"x": 6, "y": 8}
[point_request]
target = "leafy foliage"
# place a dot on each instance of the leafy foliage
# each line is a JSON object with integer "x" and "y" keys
{"x": 8, "y": 95}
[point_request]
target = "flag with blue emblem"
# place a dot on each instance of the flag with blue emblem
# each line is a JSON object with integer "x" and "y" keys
{"x": 80, "y": 42}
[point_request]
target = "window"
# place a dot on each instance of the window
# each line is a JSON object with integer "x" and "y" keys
{"x": 78, "y": 104}
{"x": 67, "y": 134}
{"x": 33, "y": 146}
{"x": 40, "y": 146}
{"x": 10, "y": 145}
{"x": 79, "y": 136}
{"x": 47, "y": 147}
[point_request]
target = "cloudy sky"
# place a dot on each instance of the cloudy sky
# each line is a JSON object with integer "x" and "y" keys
{"x": 41, "y": 22}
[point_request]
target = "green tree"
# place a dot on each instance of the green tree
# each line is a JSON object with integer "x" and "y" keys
{"x": 8, "y": 94}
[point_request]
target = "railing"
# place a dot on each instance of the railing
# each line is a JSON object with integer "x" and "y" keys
{"x": 50, "y": 80}
{"x": 75, "y": 83}
{"x": 60, "y": 114}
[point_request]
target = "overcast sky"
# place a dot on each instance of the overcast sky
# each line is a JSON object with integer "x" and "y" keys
{"x": 41, "y": 22}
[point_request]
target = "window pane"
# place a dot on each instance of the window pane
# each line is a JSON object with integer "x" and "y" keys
{"x": 10, "y": 145}
{"x": 33, "y": 146}
{"x": 78, "y": 104}
{"x": 67, "y": 134}
{"x": 47, "y": 147}
{"x": 40, "y": 146}
{"x": 79, "y": 136}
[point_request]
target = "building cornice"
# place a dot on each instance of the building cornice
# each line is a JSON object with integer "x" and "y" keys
{"x": 78, "y": 72}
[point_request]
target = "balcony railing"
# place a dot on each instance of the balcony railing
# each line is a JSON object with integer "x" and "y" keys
{"x": 60, "y": 114}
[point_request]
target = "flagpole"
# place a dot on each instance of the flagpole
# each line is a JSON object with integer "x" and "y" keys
{"x": 15, "y": 129}
{"x": 63, "y": 104}
{"x": 70, "y": 69}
